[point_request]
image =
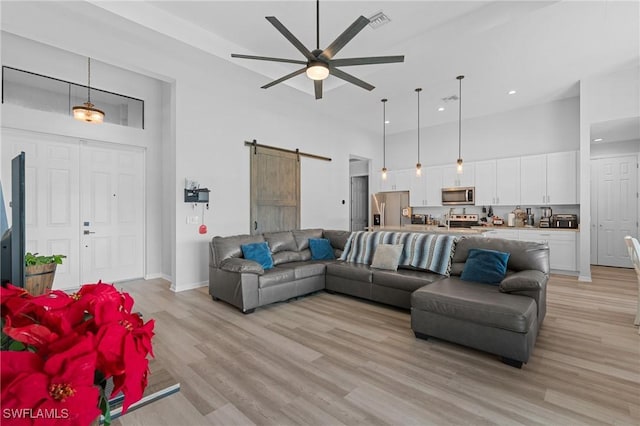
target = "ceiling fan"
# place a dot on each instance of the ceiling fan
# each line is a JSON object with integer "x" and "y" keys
{"x": 320, "y": 64}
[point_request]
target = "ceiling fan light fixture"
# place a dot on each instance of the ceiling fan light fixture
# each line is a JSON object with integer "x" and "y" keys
{"x": 317, "y": 70}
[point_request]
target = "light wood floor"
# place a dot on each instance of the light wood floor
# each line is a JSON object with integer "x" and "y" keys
{"x": 330, "y": 360}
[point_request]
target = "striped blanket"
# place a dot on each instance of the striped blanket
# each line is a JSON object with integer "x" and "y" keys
{"x": 422, "y": 251}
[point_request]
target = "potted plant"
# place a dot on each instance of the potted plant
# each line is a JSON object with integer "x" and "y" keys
{"x": 40, "y": 272}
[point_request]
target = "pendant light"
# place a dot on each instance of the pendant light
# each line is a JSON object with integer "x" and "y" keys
{"x": 384, "y": 139}
{"x": 459, "y": 167}
{"x": 418, "y": 165}
{"x": 86, "y": 112}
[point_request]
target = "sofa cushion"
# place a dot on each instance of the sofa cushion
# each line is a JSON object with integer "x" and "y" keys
{"x": 241, "y": 266}
{"x": 280, "y": 241}
{"x": 302, "y": 237}
{"x": 258, "y": 252}
{"x": 477, "y": 303}
{"x": 404, "y": 279}
{"x": 387, "y": 256}
{"x": 338, "y": 239}
{"x": 287, "y": 256}
{"x": 275, "y": 276}
{"x": 227, "y": 247}
{"x": 485, "y": 266}
{"x": 321, "y": 249}
{"x": 353, "y": 271}
{"x": 305, "y": 269}
{"x": 523, "y": 255}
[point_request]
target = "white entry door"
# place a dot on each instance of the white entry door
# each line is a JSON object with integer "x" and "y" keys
{"x": 112, "y": 213}
{"x": 51, "y": 197}
{"x": 617, "y": 208}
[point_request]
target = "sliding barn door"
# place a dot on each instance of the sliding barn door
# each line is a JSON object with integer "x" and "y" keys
{"x": 275, "y": 190}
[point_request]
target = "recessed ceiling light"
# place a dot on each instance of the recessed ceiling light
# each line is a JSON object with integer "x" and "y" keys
{"x": 598, "y": 140}
{"x": 387, "y": 122}
{"x": 441, "y": 109}
{"x": 512, "y": 92}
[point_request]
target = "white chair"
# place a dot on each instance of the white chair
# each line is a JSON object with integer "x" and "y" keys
{"x": 634, "y": 253}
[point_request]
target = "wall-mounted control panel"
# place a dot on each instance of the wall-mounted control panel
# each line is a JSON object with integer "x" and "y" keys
{"x": 197, "y": 195}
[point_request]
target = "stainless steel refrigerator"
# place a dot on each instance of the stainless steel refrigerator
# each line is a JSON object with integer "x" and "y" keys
{"x": 391, "y": 206}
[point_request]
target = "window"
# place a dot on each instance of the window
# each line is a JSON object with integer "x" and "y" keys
{"x": 36, "y": 91}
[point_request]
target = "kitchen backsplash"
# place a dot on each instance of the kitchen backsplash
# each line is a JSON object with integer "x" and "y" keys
{"x": 502, "y": 211}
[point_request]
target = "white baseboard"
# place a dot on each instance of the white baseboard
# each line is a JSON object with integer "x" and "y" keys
{"x": 190, "y": 286}
{"x": 584, "y": 278}
{"x": 158, "y": 275}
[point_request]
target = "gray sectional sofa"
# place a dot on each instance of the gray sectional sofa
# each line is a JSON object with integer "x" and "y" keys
{"x": 501, "y": 319}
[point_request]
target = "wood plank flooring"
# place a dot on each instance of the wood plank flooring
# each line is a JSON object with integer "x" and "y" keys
{"x": 334, "y": 360}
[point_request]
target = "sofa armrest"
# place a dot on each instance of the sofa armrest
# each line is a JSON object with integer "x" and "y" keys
{"x": 243, "y": 266}
{"x": 528, "y": 280}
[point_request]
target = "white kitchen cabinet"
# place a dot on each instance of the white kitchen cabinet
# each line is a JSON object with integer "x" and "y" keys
{"x": 451, "y": 178}
{"x": 497, "y": 182}
{"x": 507, "y": 234}
{"x": 507, "y": 182}
{"x": 397, "y": 180}
{"x": 425, "y": 191}
{"x": 562, "y": 247}
{"x": 485, "y": 180}
{"x": 549, "y": 179}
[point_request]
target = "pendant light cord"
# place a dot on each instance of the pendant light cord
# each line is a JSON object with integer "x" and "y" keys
{"x": 460, "y": 77}
{"x": 418, "y": 90}
{"x": 384, "y": 133}
{"x": 318, "y": 24}
{"x": 89, "y": 80}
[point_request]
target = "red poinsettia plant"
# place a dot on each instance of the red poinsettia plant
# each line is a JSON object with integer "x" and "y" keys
{"x": 59, "y": 350}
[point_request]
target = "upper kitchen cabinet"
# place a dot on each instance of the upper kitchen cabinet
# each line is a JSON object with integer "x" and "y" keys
{"x": 451, "y": 178}
{"x": 549, "y": 179}
{"x": 397, "y": 180}
{"x": 425, "y": 191}
{"x": 497, "y": 182}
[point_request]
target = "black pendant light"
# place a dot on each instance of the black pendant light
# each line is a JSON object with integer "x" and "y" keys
{"x": 418, "y": 165}
{"x": 384, "y": 139}
{"x": 459, "y": 167}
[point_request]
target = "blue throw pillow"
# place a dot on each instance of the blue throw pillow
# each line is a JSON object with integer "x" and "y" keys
{"x": 321, "y": 249}
{"x": 485, "y": 266}
{"x": 258, "y": 252}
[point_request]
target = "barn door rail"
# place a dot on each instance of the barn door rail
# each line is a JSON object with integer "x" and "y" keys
{"x": 255, "y": 145}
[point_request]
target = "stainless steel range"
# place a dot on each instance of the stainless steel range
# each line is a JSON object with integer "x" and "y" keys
{"x": 463, "y": 220}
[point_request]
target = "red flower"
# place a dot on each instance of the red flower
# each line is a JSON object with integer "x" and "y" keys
{"x": 35, "y": 335}
{"x": 60, "y": 387}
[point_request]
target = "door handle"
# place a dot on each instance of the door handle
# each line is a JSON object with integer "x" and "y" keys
{"x": 87, "y": 232}
{"x": 255, "y": 225}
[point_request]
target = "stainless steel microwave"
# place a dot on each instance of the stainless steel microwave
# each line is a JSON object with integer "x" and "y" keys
{"x": 459, "y": 196}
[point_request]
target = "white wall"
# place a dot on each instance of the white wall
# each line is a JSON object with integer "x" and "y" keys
{"x": 538, "y": 129}
{"x": 214, "y": 115}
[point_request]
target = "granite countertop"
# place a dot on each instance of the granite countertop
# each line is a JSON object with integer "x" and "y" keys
{"x": 429, "y": 228}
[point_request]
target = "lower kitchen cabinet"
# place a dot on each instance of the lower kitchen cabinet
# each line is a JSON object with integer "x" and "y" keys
{"x": 562, "y": 244}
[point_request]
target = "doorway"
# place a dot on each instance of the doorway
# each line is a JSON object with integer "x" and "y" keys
{"x": 614, "y": 208}
{"x": 85, "y": 200}
{"x": 359, "y": 203}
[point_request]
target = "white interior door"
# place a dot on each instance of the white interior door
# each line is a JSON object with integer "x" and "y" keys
{"x": 51, "y": 185}
{"x": 617, "y": 207}
{"x": 112, "y": 213}
{"x": 359, "y": 202}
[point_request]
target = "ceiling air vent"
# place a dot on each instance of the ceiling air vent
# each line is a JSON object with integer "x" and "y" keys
{"x": 378, "y": 20}
{"x": 451, "y": 98}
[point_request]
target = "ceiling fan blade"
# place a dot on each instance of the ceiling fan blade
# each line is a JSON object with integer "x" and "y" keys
{"x": 344, "y": 38}
{"x": 292, "y": 39}
{"x": 266, "y": 58}
{"x": 351, "y": 79}
{"x": 365, "y": 61}
{"x": 286, "y": 77}
{"x": 317, "y": 85}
